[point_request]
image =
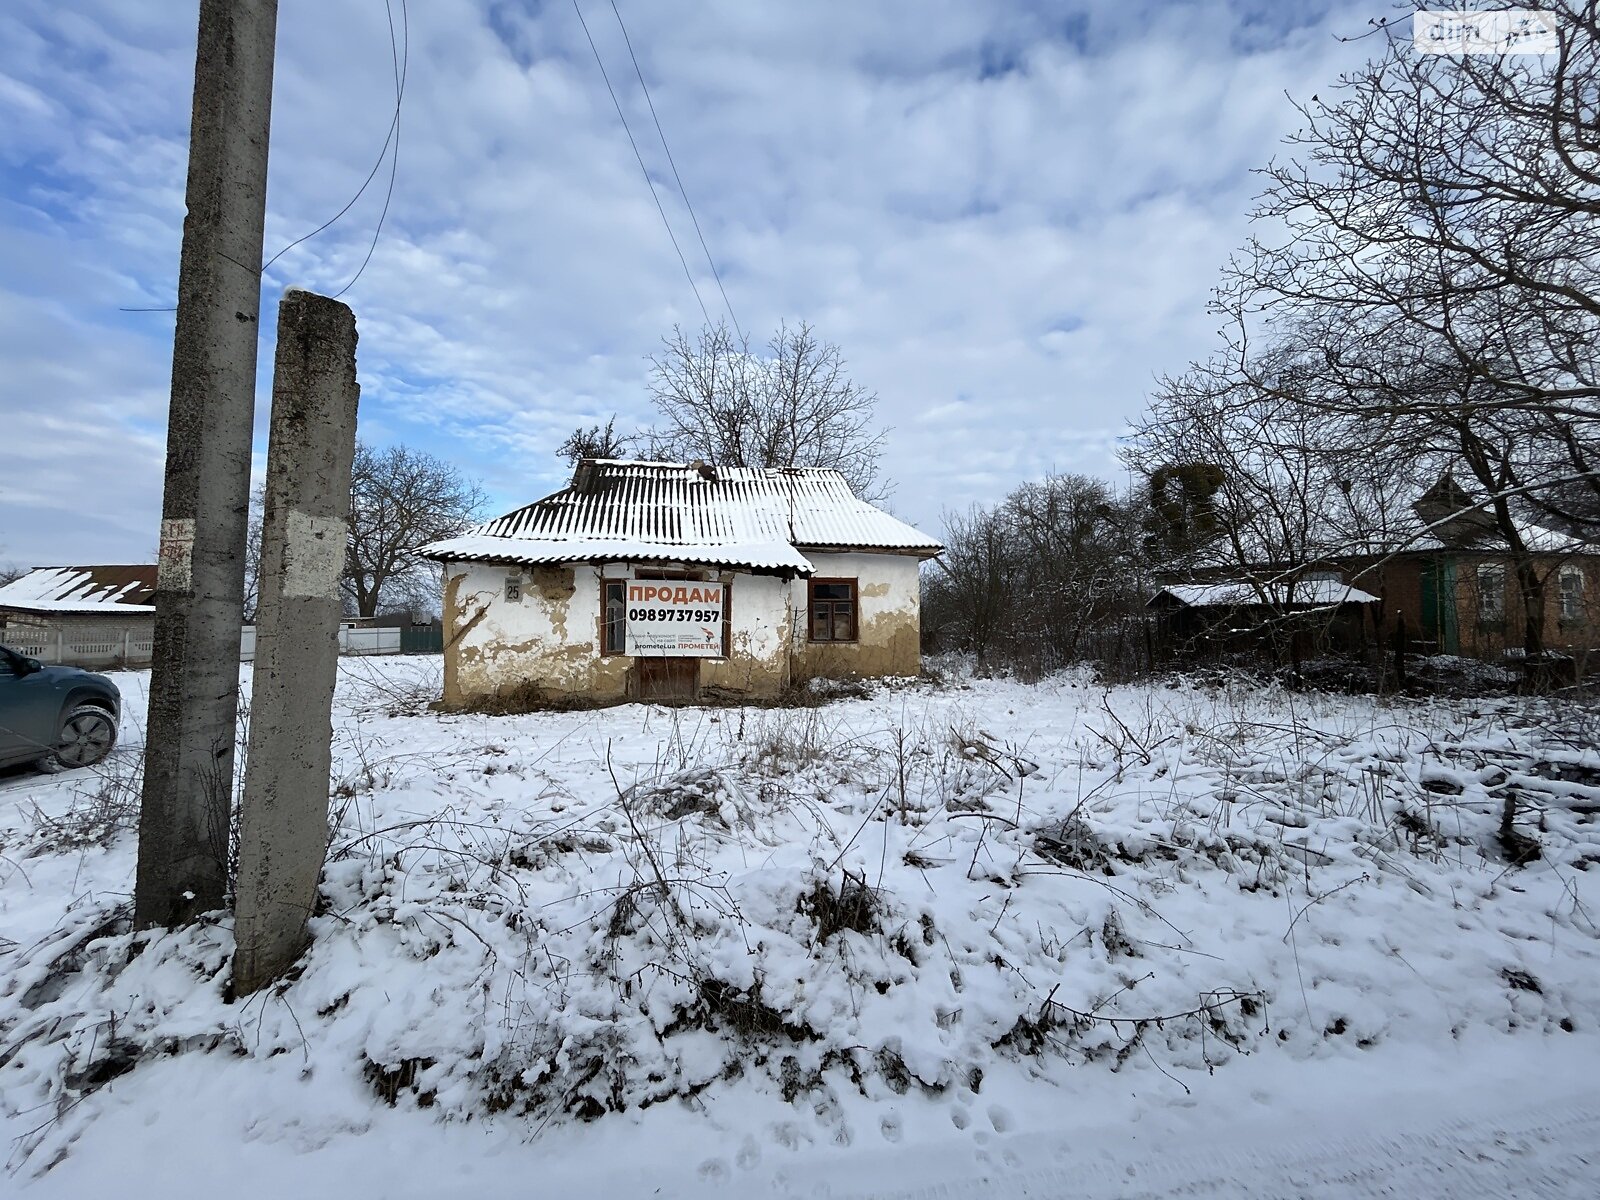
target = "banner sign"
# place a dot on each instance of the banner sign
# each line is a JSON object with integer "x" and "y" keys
{"x": 675, "y": 618}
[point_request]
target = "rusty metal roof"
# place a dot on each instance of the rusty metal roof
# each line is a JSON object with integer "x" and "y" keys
{"x": 757, "y": 517}
{"x": 104, "y": 589}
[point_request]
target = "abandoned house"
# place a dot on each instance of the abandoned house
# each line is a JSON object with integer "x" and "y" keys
{"x": 1440, "y": 575}
{"x": 1453, "y": 580}
{"x": 664, "y": 581}
{"x": 83, "y": 616}
{"x": 1309, "y": 615}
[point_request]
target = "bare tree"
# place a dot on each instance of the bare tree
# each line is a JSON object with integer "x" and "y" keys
{"x": 10, "y": 572}
{"x": 596, "y": 441}
{"x": 252, "y": 553}
{"x": 401, "y": 498}
{"x": 1051, "y": 575}
{"x": 792, "y": 406}
{"x": 1435, "y": 286}
{"x": 1246, "y": 472}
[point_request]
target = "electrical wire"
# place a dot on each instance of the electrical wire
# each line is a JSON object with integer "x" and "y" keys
{"x": 687, "y": 274}
{"x": 661, "y": 133}
{"x": 400, "y": 61}
{"x": 402, "y": 66}
{"x": 392, "y": 137}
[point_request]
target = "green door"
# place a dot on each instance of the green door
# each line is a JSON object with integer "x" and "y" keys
{"x": 1439, "y": 605}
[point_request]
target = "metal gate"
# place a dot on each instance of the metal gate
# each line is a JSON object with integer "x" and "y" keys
{"x": 421, "y": 639}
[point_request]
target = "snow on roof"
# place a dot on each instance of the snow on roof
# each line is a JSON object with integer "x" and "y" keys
{"x": 777, "y": 556}
{"x": 119, "y": 589}
{"x": 751, "y": 517}
{"x": 1309, "y": 593}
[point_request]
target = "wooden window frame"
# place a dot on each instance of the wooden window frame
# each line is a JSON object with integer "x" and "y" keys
{"x": 855, "y": 612}
{"x": 1566, "y": 572}
{"x": 1491, "y": 615}
{"x": 605, "y": 646}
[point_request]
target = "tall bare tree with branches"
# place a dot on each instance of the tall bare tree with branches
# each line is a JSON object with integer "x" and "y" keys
{"x": 401, "y": 498}
{"x": 1432, "y": 285}
{"x": 793, "y": 405}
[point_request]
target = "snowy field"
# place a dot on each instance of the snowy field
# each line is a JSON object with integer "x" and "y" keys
{"x": 974, "y": 939}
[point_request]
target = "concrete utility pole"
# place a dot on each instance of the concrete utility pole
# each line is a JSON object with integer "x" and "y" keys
{"x": 188, "y": 770}
{"x": 283, "y": 829}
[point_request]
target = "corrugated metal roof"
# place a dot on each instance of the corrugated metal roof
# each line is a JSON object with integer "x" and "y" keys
{"x": 121, "y": 589}
{"x": 752, "y": 517}
{"x": 774, "y": 556}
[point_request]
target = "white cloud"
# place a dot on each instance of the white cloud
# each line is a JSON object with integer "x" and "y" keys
{"x": 1008, "y": 218}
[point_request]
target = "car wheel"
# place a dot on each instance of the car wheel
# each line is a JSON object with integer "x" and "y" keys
{"x": 87, "y": 735}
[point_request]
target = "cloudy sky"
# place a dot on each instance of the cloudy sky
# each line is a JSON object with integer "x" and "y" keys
{"x": 1008, "y": 215}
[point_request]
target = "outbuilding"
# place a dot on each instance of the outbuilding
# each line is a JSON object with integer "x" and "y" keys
{"x": 667, "y": 581}
{"x": 84, "y": 616}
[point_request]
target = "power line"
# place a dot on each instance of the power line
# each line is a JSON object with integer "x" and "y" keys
{"x": 393, "y": 136}
{"x": 687, "y": 274}
{"x": 400, "y": 61}
{"x": 402, "y": 66}
{"x": 715, "y": 274}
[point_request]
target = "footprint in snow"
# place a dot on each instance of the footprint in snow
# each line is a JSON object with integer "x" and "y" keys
{"x": 749, "y": 1155}
{"x": 714, "y": 1168}
{"x": 999, "y": 1118}
{"x": 890, "y": 1128}
{"x": 960, "y": 1118}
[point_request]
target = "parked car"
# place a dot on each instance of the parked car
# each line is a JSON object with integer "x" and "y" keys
{"x": 57, "y": 717}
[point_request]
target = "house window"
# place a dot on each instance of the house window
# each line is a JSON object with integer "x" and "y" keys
{"x": 1491, "y": 593}
{"x": 1572, "y": 593}
{"x": 833, "y": 610}
{"x": 613, "y": 616}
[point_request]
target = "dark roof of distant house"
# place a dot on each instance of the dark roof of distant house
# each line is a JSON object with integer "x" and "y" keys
{"x": 762, "y": 518}
{"x": 1238, "y": 593}
{"x": 104, "y": 589}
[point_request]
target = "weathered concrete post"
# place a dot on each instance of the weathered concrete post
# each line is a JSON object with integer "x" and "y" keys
{"x": 188, "y": 765}
{"x": 283, "y": 832}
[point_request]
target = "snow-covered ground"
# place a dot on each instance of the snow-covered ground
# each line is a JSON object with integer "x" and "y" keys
{"x": 984, "y": 938}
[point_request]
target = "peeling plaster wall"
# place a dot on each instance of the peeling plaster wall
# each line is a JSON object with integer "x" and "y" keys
{"x": 758, "y": 638}
{"x": 889, "y": 625}
{"x": 549, "y": 641}
{"x": 547, "y": 644}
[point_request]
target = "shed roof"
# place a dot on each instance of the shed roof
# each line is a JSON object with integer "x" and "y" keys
{"x": 760, "y": 518}
{"x": 1238, "y": 593}
{"x": 124, "y": 590}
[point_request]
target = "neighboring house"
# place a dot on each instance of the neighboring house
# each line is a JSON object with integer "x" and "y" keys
{"x": 1311, "y": 615}
{"x": 1452, "y": 581}
{"x": 85, "y": 616}
{"x": 1441, "y": 575}
{"x": 664, "y": 581}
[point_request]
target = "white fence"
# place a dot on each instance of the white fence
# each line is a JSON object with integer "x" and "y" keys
{"x": 81, "y": 648}
{"x": 351, "y": 641}
{"x": 107, "y": 648}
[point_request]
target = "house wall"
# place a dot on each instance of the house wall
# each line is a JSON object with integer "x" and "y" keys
{"x": 547, "y": 645}
{"x": 546, "y": 642}
{"x": 549, "y": 642}
{"x": 1400, "y": 584}
{"x": 889, "y": 625}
